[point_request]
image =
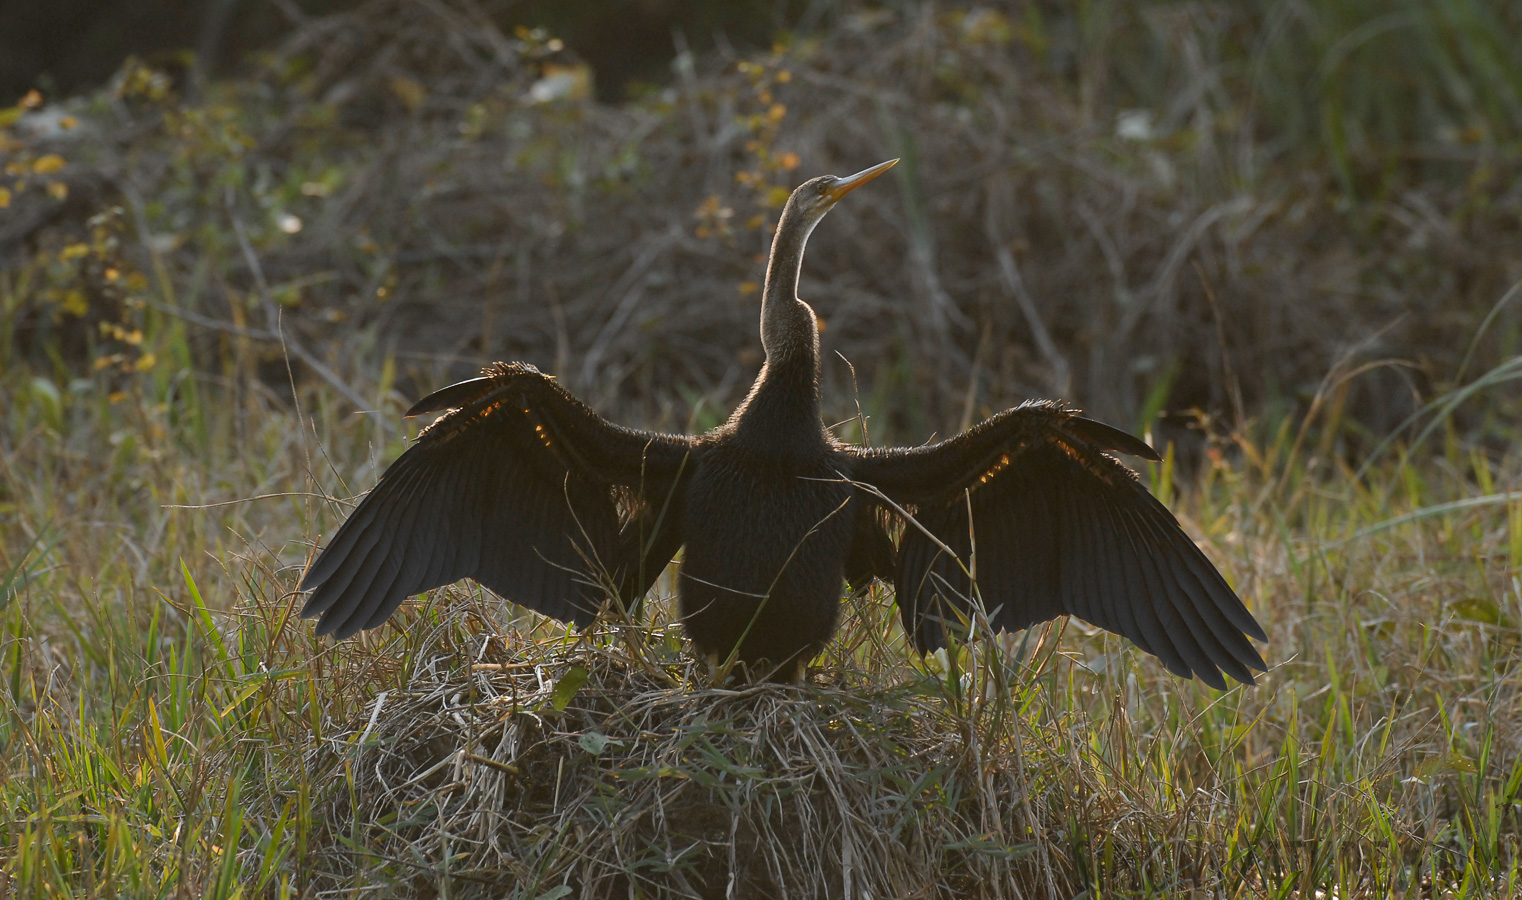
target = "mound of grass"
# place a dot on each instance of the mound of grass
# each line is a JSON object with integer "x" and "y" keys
{"x": 544, "y": 767}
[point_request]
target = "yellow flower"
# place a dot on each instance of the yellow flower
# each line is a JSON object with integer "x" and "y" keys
{"x": 48, "y": 164}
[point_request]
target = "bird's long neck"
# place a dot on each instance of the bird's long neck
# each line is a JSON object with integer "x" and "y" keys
{"x": 783, "y": 405}
{"x": 787, "y": 323}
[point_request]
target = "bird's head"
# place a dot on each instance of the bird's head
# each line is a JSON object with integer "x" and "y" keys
{"x": 787, "y": 323}
{"x": 815, "y": 197}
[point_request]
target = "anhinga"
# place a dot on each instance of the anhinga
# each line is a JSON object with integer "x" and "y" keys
{"x": 523, "y": 488}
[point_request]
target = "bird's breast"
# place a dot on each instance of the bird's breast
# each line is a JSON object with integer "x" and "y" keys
{"x": 751, "y": 514}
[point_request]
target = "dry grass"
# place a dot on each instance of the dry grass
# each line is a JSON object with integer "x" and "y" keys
{"x": 170, "y": 729}
{"x": 646, "y": 785}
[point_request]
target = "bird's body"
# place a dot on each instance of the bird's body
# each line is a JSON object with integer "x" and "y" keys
{"x": 782, "y": 603}
{"x": 1024, "y": 517}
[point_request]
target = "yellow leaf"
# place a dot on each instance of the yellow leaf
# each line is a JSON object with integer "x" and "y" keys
{"x": 48, "y": 164}
{"x": 247, "y": 691}
{"x": 74, "y": 303}
{"x": 5, "y": 197}
{"x": 158, "y": 750}
{"x": 409, "y": 92}
{"x": 74, "y": 251}
{"x": 58, "y": 190}
{"x": 146, "y": 362}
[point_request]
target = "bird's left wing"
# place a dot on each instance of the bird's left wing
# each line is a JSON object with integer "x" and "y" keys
{"x": 1029, "y": 507}
{"x": 515, "y": 487}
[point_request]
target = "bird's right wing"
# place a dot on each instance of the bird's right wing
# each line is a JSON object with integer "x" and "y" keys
{"x": 519, "y": 487}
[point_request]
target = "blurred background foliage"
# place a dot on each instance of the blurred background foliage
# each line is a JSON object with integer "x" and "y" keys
{"x": 1196, "y": 210}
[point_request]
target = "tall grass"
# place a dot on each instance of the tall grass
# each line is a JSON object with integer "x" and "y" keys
{"x": 172, "y": 729}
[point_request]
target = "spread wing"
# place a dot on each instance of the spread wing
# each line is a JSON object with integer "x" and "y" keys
{"x": 520, "y": 487}
{"x": 1031, "y": 508}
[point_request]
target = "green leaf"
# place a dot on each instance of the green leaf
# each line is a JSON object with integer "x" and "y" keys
{"x": 595, "y": 742}
{"x": 1445, "y": 764}
{"x": 1480, "y": 609}
{"x": 203, "y": 613}
{"x": 567, "y": 687}
{"x": 20, "y": 575}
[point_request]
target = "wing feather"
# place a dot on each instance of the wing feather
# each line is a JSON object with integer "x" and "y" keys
{"x": 355, "y": 591}
{"x": 1135, "y": 608}
{"x": 1170, "y": 609}
{"x": 368, "y": 580}
{"x": 928, "y": 577}
{"x": 1096, "y": 577}
{"x": 1227, "y": 646}
{"x": 334, "y": 571}
{"x": 1157, "y": 606}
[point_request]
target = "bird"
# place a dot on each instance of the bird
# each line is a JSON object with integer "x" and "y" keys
{"x": 1024, "y": 517}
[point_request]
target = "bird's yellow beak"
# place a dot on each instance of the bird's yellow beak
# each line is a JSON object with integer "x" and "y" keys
{"x": 851, "y": 182}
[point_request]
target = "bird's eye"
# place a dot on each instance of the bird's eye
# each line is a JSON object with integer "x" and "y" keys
{"x": 824, "y": 188}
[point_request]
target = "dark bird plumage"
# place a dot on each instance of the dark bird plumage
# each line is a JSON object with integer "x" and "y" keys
{"x": 523, "y": 488}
